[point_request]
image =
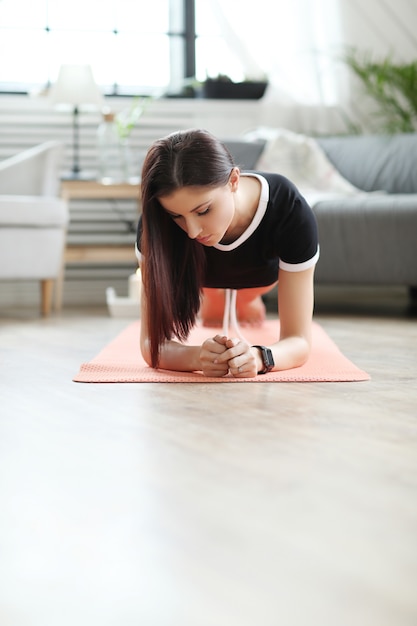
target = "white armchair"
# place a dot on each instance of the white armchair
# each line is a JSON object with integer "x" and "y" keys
{"x": 33, "y": 218}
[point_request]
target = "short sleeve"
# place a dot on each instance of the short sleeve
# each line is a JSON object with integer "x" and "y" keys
{"x": 295, "y": 227}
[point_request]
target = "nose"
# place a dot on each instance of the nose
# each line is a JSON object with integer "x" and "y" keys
{"x": 193, "y": 228}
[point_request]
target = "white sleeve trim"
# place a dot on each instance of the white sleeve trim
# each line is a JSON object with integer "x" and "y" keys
{"x": 300, "y": 267}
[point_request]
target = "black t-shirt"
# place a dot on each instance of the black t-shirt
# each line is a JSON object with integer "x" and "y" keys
{"x": 282, "y": 234}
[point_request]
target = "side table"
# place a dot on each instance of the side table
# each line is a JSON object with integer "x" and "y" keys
{"x": 78, "y": 189}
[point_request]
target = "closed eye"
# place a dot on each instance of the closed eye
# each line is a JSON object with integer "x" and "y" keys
{"x": 200, "y": 213}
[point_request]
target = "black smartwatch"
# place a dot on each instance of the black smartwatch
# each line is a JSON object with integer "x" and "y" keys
{"x": 267, "y": 359}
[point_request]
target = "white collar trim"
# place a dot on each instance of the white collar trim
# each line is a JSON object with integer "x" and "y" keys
{"x": 260, "y": 212}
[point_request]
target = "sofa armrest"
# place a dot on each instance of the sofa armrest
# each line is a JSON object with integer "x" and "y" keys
{"x": 34, "y": 171}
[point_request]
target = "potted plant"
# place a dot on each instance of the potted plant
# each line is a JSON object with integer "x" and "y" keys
{"x": 116, "y": 161}
{"x": 223, "y": 87}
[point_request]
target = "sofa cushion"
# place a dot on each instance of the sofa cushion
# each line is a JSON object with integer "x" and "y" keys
{"x": 375, "y": 162}
{"x": 245, "y": 153}
{"x": 367, "y": 239}
{"x": 33, "y": 211}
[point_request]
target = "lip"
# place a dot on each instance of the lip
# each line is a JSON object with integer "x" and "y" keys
{"x": 204, "y": 240}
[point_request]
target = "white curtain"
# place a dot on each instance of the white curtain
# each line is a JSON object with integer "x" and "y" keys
{"x": 296, "y": 44}
{"x": 292, "y": 42}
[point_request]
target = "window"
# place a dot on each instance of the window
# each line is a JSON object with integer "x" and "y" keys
{"x": 133, "y": 46}
{"x": 215, "y": 50}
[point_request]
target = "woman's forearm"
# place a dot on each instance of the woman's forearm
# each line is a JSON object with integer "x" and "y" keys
{"x": 290, "y": 352}
{"x": 176, "y": 356}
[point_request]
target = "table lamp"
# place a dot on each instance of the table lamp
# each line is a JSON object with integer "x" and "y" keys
{"x": 75, "y": 86}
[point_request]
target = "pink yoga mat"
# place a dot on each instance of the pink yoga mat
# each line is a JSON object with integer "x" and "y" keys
{"x": 121, "y": 361}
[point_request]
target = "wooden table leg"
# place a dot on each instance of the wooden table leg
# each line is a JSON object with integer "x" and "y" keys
{"x": 47, "y": 287}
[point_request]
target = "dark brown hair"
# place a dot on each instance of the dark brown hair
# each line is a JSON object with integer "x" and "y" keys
{"x": 174, "y": 263}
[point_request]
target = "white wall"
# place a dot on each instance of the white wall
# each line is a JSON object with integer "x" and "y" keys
{"x": 381, "y": 26}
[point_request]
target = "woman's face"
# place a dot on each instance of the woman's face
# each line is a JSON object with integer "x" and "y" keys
{"x": 204, "y": 213}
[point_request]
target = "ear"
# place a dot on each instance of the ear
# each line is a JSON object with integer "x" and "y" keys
{"x": 234, "y": 178}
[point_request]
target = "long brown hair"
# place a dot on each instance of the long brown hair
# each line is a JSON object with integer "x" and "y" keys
{"x": 174, "y": 263}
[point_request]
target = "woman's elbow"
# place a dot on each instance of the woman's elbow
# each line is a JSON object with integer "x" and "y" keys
{"x": 146, "y": 351}
{"x": 301, "y": 351}
{"x": 305, "y": 349}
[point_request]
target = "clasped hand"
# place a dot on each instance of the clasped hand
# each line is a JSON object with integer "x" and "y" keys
{"x": 220, "y": 355}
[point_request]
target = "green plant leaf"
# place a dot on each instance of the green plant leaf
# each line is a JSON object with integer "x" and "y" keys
{"x": 393, "y": 86}
{"x": 127, "y": 119}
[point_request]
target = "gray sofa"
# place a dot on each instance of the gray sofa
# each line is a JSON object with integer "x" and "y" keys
{"x": 366, "y": 239}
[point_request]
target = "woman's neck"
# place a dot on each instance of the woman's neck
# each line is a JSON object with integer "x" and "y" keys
{"x": 247, "y": 198}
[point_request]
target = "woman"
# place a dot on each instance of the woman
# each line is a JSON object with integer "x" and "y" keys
{"x": 207, "y": 227}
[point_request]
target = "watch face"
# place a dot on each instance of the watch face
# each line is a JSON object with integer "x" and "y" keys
{"x": 267, "y": 359}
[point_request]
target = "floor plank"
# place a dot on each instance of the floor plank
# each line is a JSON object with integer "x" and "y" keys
{"x": 208, "y": 505}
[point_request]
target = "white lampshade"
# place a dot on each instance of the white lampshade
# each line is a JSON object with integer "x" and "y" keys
{"x": 75, "y": 85}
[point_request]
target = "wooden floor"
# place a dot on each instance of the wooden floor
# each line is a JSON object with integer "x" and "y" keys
{"x": 290, "y": 504}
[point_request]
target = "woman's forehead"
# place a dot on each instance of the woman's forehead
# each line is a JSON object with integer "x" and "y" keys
{"x": 187, "y": 199}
